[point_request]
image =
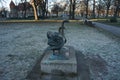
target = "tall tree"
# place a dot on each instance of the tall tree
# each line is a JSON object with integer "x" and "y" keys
{"x": 55, "y": 9}
{"x": 108, "y": 4}
{"x": 41, "y": 4}
{"x": 72, "y": 9}
{"x": 58, "y": 8}
{"x": 93, "y": 9}
{"x": 34, "y": 5}
{"x": 24, "y": 5}
{"x": 117, "y": 5}
{"x": 86, "y": 2}
{"x": 99, "y": 7}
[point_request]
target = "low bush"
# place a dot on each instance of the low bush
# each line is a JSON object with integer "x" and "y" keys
{"x": 113, "y": 19}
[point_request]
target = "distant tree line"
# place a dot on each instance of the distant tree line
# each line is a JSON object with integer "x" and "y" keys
{"x": 99, "y": 6}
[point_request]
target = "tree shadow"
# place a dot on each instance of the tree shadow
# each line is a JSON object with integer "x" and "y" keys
{"x": 82, "y": 67}
{"x": 97, "y": 66}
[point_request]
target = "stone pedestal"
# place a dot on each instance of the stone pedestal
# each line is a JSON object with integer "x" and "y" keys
{"x": 66, "y": 66}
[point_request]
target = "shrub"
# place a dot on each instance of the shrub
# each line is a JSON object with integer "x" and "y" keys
{"x": 113, "y": 19}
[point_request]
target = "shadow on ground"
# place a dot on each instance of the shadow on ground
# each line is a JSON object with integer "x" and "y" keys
{"x": 89, "y": 67}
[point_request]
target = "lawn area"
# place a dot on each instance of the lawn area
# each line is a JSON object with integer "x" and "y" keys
{"x": 22, "y": 43}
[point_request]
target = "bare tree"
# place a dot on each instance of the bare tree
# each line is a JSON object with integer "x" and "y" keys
{"x": 58, "y": 8}
{"x": 72, "y": 9}
{"x": 108, "y": 4}
{"x": 34, "y": 5}
{"x": 117, "y": 5}
{"x": 100, "y": 7}
{"x": 55, "y": 9}
{"x": 93, "y": 8}
{"x": 41, "y": 4}
{"x": 23, "y": 4}
{"x": 86, "y": 2}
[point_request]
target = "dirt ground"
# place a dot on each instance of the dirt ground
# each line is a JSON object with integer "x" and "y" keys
{"x": 21, "y": 44}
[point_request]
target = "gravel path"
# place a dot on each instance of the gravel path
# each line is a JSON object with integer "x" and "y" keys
{"x": 22, "y": 43}
{"x": 112, "y": 29}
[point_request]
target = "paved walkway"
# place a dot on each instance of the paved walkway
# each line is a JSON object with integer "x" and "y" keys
{"x": 113, "y": 29}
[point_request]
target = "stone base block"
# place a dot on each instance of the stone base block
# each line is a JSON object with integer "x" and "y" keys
{"x": 66, "y": 66}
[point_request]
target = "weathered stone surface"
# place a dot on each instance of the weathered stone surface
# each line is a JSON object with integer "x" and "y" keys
{"x": 66, "y": 66}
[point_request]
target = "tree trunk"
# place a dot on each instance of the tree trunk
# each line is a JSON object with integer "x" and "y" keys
{"x": 99, "y": 10}
{"x": 25, "y": 9}
{"x": 98, "y": 14}
{"x": 73, "y": 9}
{"x": 93, "y": 9}
{"x": 70, "y": 9}
{"x": 35, "y": 11}
{"x": 107, "y": 12}
{"x": 116, "y": 11}
{"x": 86, "y": 16}
{"x": 46, "y": 12}
{"x": 44, "y": 9}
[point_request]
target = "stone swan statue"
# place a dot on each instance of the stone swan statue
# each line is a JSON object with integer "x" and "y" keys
{"x": 56, "y": 41}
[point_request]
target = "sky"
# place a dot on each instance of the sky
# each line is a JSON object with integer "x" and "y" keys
{"x": 7, "y": 2}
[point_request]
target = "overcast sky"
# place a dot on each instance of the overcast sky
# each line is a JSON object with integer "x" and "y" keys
{"x": 7, "y": 2}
